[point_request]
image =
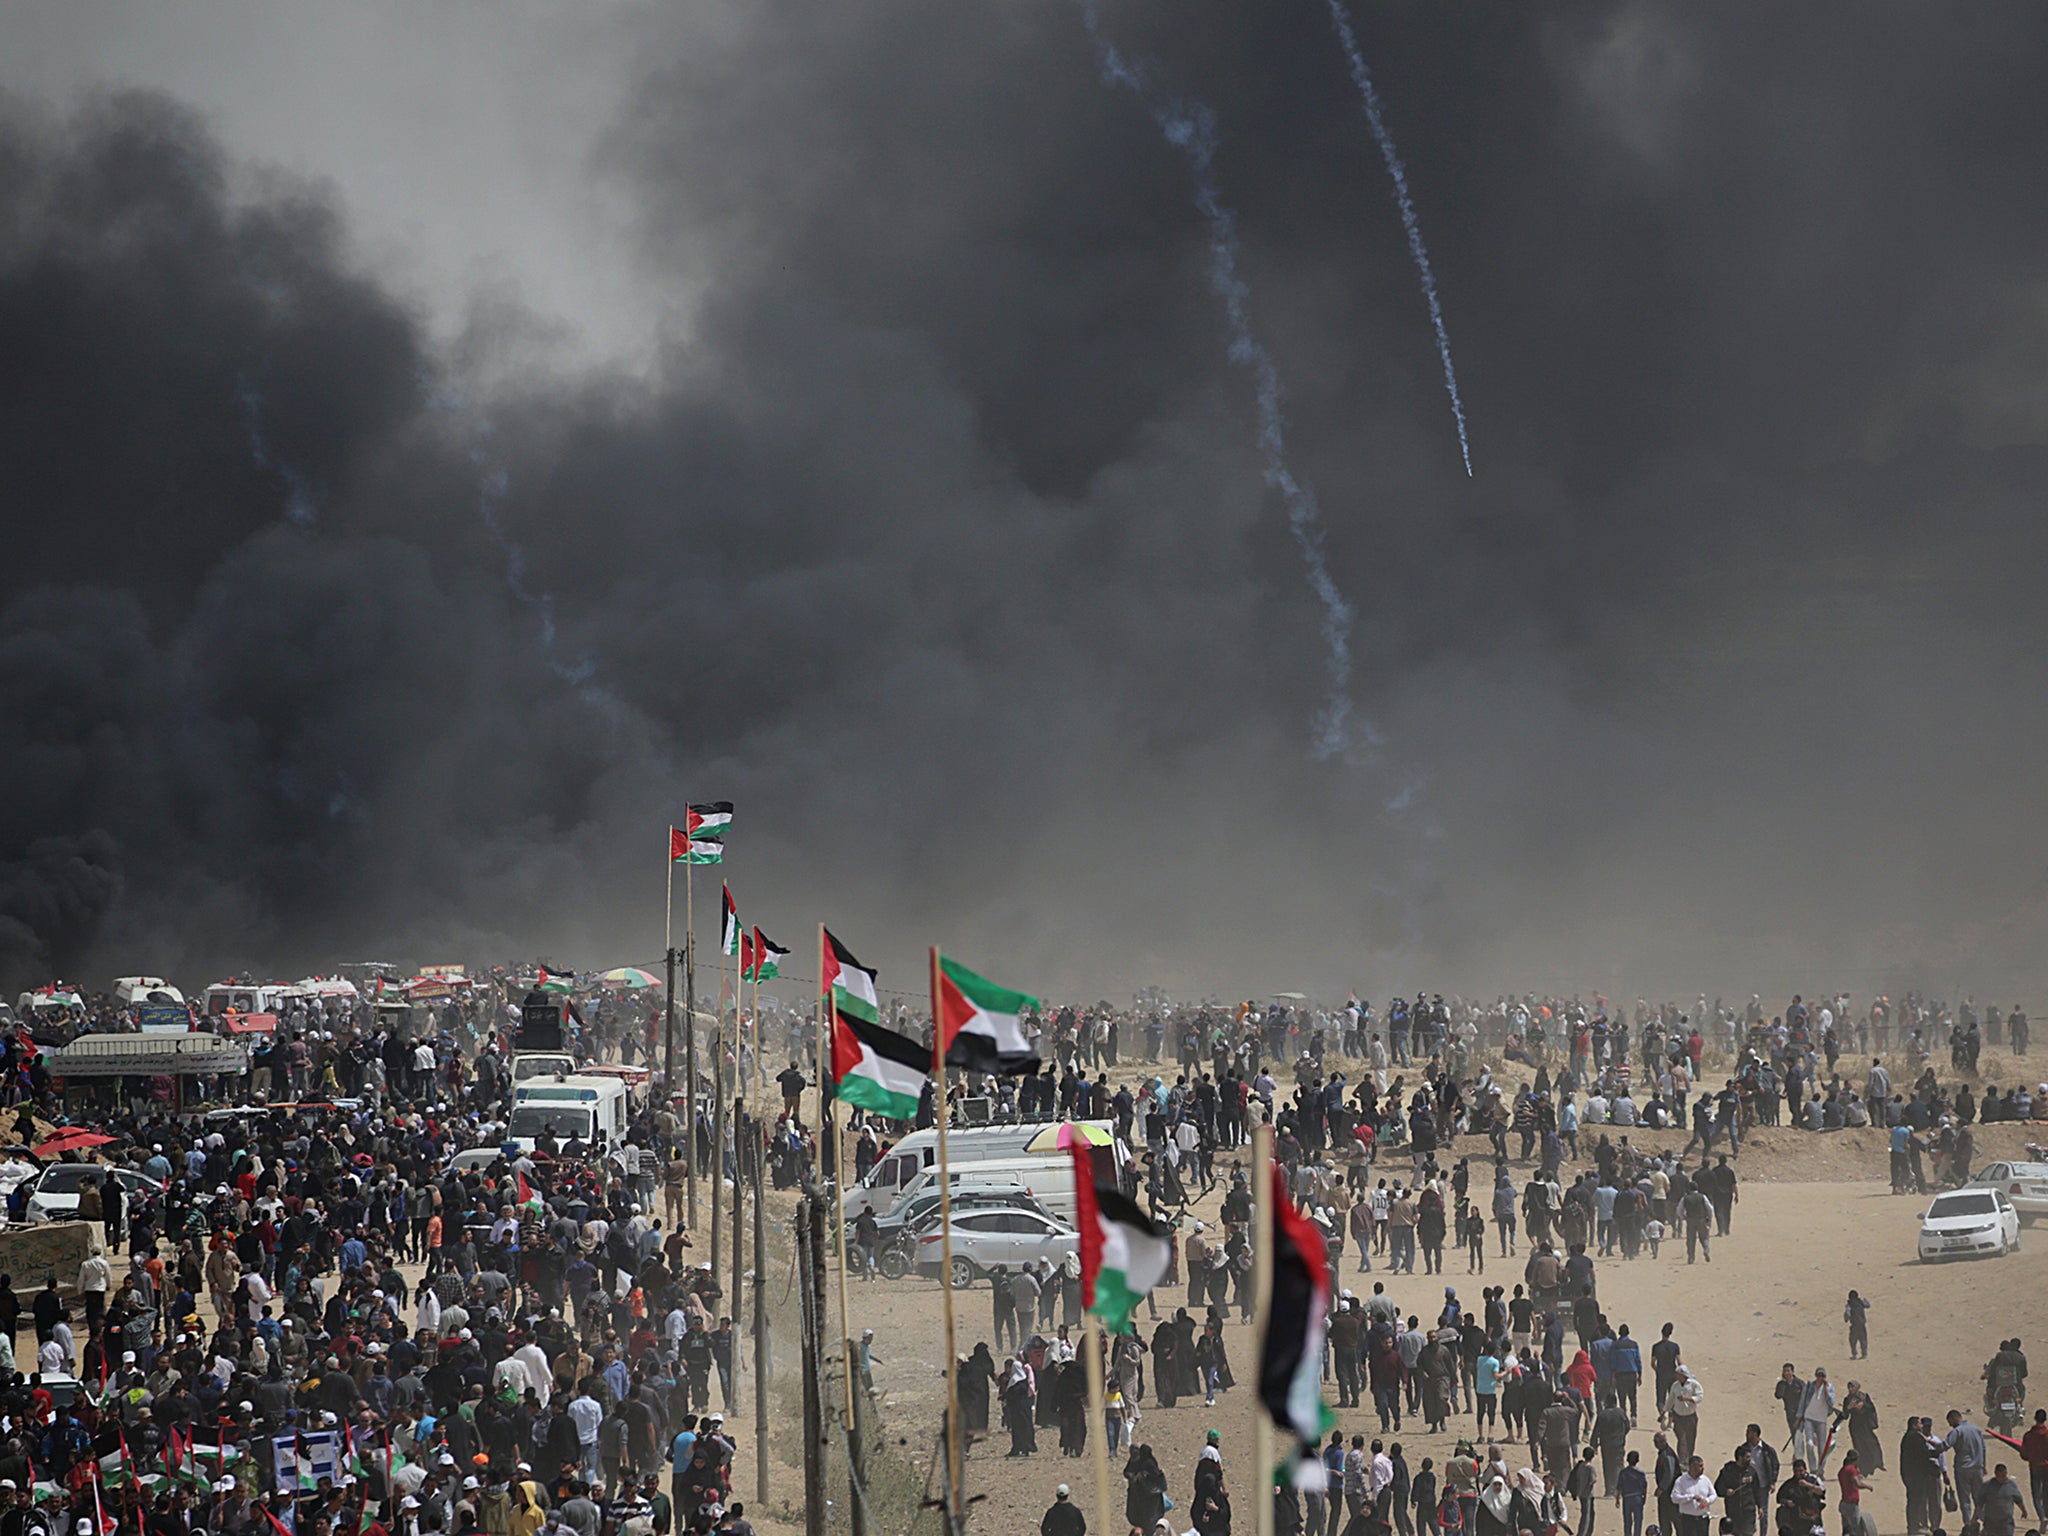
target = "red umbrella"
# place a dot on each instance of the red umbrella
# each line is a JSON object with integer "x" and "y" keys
{"x": 73, "y": 1138}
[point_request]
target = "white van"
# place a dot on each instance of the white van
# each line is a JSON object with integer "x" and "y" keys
{"x": 918, "y": 1151}
{"x": 253, "y": 997}
{"x": 591, "y": 1109}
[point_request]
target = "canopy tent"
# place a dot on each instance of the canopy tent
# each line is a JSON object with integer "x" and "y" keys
{"x": 73, "y": 1138}
{"x": 1058, "y": 1138}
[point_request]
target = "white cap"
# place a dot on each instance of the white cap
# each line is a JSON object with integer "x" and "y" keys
{"x": 471, "y": 1482}
{"x": 445, "y": 1461}
{"x": 408, "y": 1502}
{"x": 127, "y": 1357}
{"x": 1062, "y": 1491}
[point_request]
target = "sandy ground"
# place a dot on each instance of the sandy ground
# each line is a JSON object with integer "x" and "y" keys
{"x": 1810, "y": 1225}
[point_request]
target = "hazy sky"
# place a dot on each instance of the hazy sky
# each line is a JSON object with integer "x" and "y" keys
{"x": 443, "y": 438}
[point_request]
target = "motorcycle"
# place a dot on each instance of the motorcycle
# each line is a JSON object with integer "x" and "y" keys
{"x": 2003, "y": 1412}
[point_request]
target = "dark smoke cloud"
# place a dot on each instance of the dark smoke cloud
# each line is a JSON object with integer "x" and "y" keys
{"x": 937, "y": 539}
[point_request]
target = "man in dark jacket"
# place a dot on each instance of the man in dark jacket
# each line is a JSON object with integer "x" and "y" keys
{"x": 1062, "y": 1518}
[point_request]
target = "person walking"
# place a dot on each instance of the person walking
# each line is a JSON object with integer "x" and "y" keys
{"x": 1966, "y": 1441}
{"x": 1856, "y": 1313}
{"x": 1681, "y": 1411}
{"x": 1999, "y": 1502}
{"x": 1584, "y": 1486}
{"x": 1851, "y": 1481}
{"x": 2034, "y": 1452}
{"x": 1632, "y": 1493}
{"x": 1816, "y": 1408}
{"x": 1695, "y": 1497}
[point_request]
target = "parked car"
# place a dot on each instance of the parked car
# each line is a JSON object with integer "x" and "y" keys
{"x": 1969, "y": 1222}
{"x": 2024, "y": 1184}
{"x": 55, "y": 1195}
{"x": 1009, "y": 1236}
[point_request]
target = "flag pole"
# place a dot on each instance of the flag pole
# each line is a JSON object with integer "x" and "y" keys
{"x": 757, "y": 1147}
{"x": 955, "y": 1432}
{"x": 690, "y": 1017}
{"x": 718, "y": 1099}
{"x": 1262, "y": 1307}
{"x": 837, "y": 1207}
{"x": 1098, "y": 1429}
{"x": 668, "y": 991}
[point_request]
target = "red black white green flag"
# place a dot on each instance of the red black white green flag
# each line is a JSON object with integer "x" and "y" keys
{"x": 1290, "y": 1364}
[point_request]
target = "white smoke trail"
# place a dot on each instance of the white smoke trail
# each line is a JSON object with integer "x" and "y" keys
{"x": 1191, "y": 128}
{"x": 1362, "y": 78}
{"x": 298, "y": 496}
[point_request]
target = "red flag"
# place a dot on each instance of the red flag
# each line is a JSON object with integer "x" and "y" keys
{"x": 678, "y": 845}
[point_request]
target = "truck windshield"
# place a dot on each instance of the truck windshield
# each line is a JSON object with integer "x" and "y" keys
{"x": 565, "y": 1120}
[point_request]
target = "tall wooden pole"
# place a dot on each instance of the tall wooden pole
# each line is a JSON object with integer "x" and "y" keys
{"x": 957, "y": 1505}
{"x": 718, "y": 1113}
{"x": 690, "y": 1025}
{"x": 760, "y": 1288}
{"x": 1262, "y": 1307}
{"x": 1098, "y": 1428}
{"x": 668, "y": 991}
{"x": 739, "y": 1233}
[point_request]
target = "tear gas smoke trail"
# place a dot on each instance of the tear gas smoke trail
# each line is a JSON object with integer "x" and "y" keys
{"x": 1362, "y": 78}
{"x": 298, "y": 504}
{"x": 1191, "y": 128}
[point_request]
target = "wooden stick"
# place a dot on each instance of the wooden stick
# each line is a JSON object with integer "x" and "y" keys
{"x": 956, "y": 1510}
{"x": 1262, "y": 1307}
{"x": 1098, "y": 1429}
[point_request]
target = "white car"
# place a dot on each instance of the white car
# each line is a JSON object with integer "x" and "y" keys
{"x": 2024, "y": 1184}
{"x": 983, "y": 1239}
{"x": 55, "y": 1196}
{"x": 474, "y": 1159}
{"x": 1967, "y": 1222}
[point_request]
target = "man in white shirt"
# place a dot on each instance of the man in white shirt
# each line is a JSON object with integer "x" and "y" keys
{"x": 1693, "y": 1493}
{"x": 585, "y": 1414}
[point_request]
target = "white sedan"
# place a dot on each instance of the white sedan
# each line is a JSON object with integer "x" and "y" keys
{"x": 2025, "y": 1184}
{"x": 55, "y": 1194}
{"x": 1969, "y": 1222}
{"x": 983, "y": 1239}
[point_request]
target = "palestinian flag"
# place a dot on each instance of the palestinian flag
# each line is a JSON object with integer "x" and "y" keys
{"x": 1124, "y": 1252}
{"x": 766, "y": 953}
{"x": 685, "y": 849}
{"x": 1290, "y": 1364}
{"x": 554, "y": 981}
{"x": 873, "y": 1067}
{"x": 849, "y": 984}
{"x": 729, "y": 930}
{"x": 746, "y": 956}
{"x": 980, "y": 1022}
{"x": 706, "y": 823}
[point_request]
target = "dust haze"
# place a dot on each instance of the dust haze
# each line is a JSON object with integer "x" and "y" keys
{"x": 828, "y": 410}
